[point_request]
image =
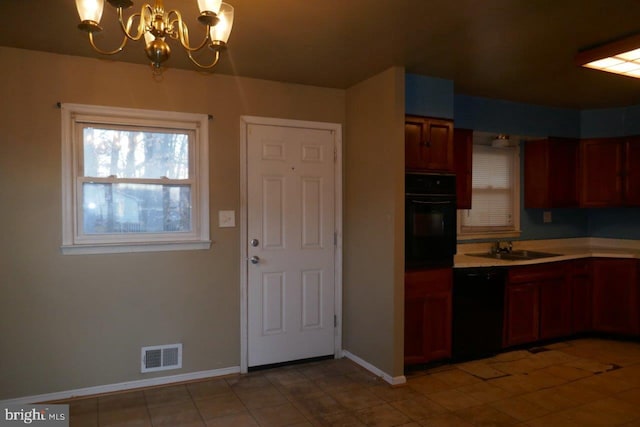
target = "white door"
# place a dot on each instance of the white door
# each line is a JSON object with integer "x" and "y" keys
{"x": 290, "y": 243}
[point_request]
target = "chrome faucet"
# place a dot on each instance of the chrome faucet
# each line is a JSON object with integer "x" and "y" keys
{"x": 500, "y": 247}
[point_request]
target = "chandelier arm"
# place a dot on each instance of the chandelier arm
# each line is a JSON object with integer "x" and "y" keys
{"x": 215, "y": 60}
{"x": 108, "y": 52}
{"x": 126, "y": 29}
{"x": 183, "y": 32}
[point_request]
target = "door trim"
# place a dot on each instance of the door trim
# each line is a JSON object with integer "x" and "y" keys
{"x": 245, "y": 121}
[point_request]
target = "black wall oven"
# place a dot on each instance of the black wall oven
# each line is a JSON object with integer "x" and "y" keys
{"x": 430, "y": 220}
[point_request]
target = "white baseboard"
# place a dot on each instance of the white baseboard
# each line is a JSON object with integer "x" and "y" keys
{"x": 374, "y": 370}
{"x": 110, "y": 388}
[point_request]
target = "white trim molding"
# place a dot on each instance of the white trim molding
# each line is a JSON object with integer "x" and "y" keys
{"x": 75, "y": 118}
{"x": 374, "y": 370}
{"x": 129, "y": 385}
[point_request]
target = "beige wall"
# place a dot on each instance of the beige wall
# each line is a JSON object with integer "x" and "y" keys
{"x": 68, "y": 322}
{"x": 374, "y": 218}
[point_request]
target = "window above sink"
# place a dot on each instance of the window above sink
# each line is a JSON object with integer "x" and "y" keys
{"x": 495, "y": 193}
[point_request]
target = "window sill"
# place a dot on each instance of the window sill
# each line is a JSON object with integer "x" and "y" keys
{"x": 489, "y": 235}
{"x": 93, "y": 249}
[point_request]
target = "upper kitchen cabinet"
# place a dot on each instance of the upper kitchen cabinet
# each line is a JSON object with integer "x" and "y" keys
{"x": 551, "y": 173}
{"x": 610, "y": 172}
{"x": 428, "y": 144}
{"x": 632, "y": 171}
{"x": 601, "y": 174}
{"x": 463, "y": 163}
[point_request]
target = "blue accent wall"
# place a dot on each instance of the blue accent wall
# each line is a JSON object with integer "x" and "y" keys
{"x": 610, "y": 122}
{"x": 618, "y": 223}
{"x": 492, "y": 115}
{"x": 428, "y": 96}
{"x": 602, "y": 123}
{"x": 565, "y": 223}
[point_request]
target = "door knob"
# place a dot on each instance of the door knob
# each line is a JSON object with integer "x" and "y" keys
{"x": 254, "y": 259}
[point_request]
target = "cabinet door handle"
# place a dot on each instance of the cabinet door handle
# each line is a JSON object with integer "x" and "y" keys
{"x": 426, "y": 143}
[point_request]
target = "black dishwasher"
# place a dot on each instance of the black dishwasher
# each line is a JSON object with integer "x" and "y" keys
{"x": 478, "y": 312}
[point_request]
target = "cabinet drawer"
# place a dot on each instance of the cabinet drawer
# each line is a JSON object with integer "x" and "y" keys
{"x": 538, "y": 272}
{"x": 432, "y": 280}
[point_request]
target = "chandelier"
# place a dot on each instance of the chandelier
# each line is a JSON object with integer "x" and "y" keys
{"x": 154, "y": 24}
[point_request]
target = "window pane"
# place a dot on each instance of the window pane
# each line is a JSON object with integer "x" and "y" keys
{"x": 490, "y": 209}
{"x": 493, "y": 189}
{"x": 135, "y": 154}
{"x": 492, "y": 167}
{"x": 135, "y": 208}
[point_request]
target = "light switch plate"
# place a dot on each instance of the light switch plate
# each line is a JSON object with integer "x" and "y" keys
{"x": 226, "y": 219}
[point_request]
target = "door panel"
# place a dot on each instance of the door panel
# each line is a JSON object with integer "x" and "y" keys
{"x": 522, "y": 314}
{"x": 273, "y": 212}
{"x": 312, "y": 213}
{"x": 290, "y": 211}
{"x": 312, "y": 291}
{"x": 601, "y": 180}
{"x": 273, "y": 303}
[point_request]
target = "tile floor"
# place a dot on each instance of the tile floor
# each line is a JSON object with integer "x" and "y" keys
{"x": 585, "y": 382}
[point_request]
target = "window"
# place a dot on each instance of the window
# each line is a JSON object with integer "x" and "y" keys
{"x": 495, "y": 195}
{"x": 133, "y": 180}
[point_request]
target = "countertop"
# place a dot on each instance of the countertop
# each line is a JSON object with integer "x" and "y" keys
{"x": 566, "y": 249}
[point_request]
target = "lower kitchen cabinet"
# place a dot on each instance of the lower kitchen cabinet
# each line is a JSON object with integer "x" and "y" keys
{"x": 581, "y": 297}
{"x": 427, "y": 324}
{"x": 615, "y": 296}
{"x": 538, "y": 301}
{"x": 555, "y": 307}
{"x": 522, "y": 314}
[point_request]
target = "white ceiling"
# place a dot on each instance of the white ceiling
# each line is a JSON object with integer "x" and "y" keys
{"x": 519, "y": 50}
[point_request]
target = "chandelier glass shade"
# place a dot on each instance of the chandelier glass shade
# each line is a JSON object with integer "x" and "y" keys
{"x": 155, "y": 25}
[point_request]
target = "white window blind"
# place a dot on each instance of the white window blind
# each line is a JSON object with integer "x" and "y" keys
{"x": 494, "y": 191}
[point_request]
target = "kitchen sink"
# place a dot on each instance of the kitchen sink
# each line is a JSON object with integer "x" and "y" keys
{"x": 517, "y": 255}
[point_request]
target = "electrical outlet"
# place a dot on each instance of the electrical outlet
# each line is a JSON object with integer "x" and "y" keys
{"x": 546, "y": 217}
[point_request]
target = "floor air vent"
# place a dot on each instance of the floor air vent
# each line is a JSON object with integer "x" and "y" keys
{"x": 161, "y": 358}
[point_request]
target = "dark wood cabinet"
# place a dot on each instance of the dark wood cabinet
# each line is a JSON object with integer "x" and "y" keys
{"x": 615, "y": 296}
{"x": 632, "y": 171}
{"x": 581, "y": 296}
{"x": 551, "y": 173}
{"x": 601, "y": 172}
{"x": 522, "y": 314}
{"x": 427, "y": 324}
{"x": 555, "y": 307}
{"x": 596, "y": 172}
{"x": 428, "y": 144}
{"x": 538, "y": 299}
{"x": 463, "y": 163}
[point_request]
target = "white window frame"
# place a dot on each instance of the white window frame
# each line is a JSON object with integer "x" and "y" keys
{"x": 74, "y": 116}
{"x": 473, "y": 233}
